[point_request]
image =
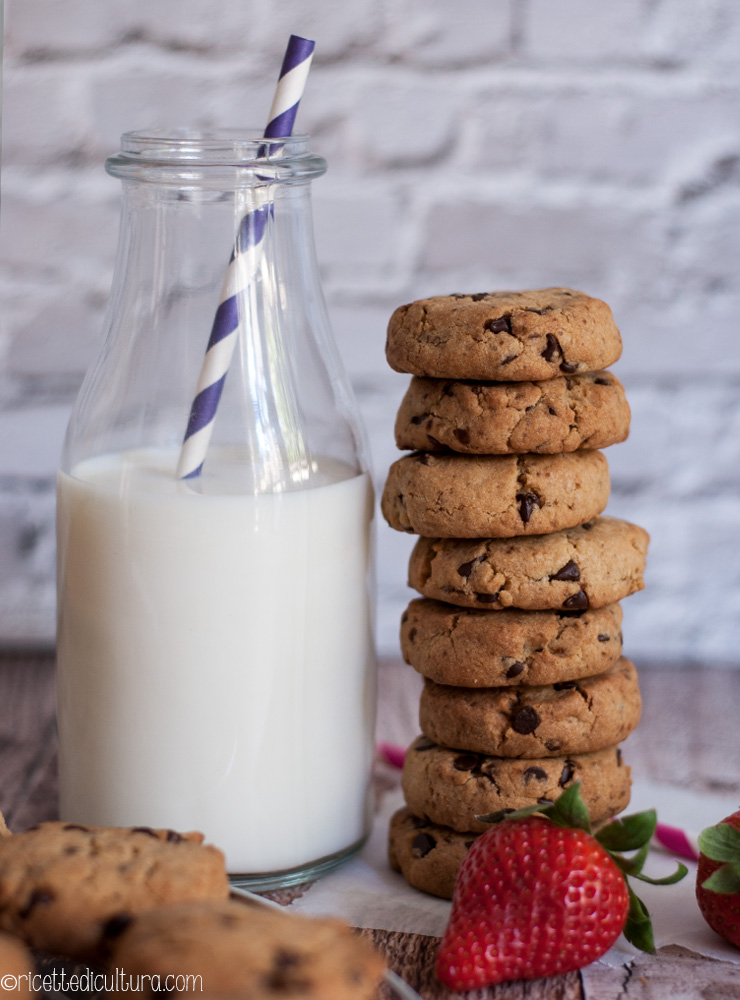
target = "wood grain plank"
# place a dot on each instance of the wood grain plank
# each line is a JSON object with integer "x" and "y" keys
{"x": 28, "y": 783}
{"x": 672, "y": 974}
{"x": 412, "y": 957}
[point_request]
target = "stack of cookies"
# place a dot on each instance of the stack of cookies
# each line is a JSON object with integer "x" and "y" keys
{"x": 517, "y": 632}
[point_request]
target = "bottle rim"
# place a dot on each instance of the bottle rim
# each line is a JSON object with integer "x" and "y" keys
{"x": 172, "y": 155}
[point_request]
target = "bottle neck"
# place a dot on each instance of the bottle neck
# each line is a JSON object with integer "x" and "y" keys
{"x": 215, "y": 159}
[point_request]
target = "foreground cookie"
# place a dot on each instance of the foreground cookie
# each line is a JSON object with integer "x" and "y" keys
{"x": 452, "y": 787}
{"x": 548, "y": 721}
{"x": 473, "y": 648}
{"x": 16, "y": 967}
{"x": 503, "y": 336}
{"x": 250, "y": 952}
{"x": 63, "y": 886}
{"x": 427, "y": 854}
{"x": 593, "y": 565}
{"x": 494, "y": 496}
{"x": 483, "y": 418}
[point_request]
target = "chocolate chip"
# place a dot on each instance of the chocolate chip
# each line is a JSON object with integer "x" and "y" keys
{"x": 567, "y": 367}
{"x": 478, "y": 296}
{"x": 412, "y": 634}
{"x": 465, "y": 569}
{"x": 525, "y": 720}
{"x": 422, "y": 844}
{"x": 552, "y": 745}
{"x": 116, "y": 925}
{"x": 145, "y": 829}
{"x": 603, "y": 637}
{"x": 76, "y": 826}
{"x": 619, "y": 757}
{"x": 577, "y": 602}
{"x": 501, "y": 325}
{"x": 545, "y": 802}
{"x": 434, "y": 442}
{"x": 527, "y": 503}
{"x": 465, "y": 762}
{"x": 571, "y": 614}
{"x": 564, "y": 685}
{"x": 286, "y": 959}
{"x": 508, "y": 359}
{"x": 588, "y": 525}
{"x": 175, "y": 838}
{"x": 462, "y": 435}
{"x": 569, "y": 769}
{"x": 568, "y": 572}
{"x": 552, "y": 347}
{"x": 535, "y": 772}
{"x": 420, "y": 418}
{"x": 552, "y": 410}
{"x": 404, "y": 617}
{"x": 37, "y": 897}
{"x": 448, "y": 389}
{"x": 601, "y": 381}
{"x": 540, "y": 312}
{"x": 514, "y": 670}
{"x": 487, "y": 598}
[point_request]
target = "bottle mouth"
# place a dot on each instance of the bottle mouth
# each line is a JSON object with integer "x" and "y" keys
{"x": 173, "y": 155}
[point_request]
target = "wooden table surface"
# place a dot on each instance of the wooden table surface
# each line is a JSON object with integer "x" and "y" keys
{"x": 689, "y": 736}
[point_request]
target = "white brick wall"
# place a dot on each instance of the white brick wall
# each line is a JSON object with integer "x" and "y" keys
{"x": 471, "y": 145}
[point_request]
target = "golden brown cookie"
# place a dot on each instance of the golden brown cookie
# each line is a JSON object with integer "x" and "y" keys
{"x": 248, "y": 951}
{"x": 473, "y": 648}
{"x": 544, "y": 721}
{"x": 452, "y": 787}
{"x": 494, "y": 496}
{"x": 592, "y": 565}
{"x": 427, "y": 854}
{"x": 16, "y": 967}
{"x": 64, "y": 886}
{"x": 503, "y": 336}
{"x": 500, "y": 418}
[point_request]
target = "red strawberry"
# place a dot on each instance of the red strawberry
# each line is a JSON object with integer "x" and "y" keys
{"x": 538, "y": 895}
{"x": 718, "y": 877}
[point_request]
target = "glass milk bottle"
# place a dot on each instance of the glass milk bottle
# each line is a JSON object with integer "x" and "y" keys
{"x": 215, "y": 657}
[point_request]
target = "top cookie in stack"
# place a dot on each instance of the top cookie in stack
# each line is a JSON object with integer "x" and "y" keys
{"x": 505, "y": 414}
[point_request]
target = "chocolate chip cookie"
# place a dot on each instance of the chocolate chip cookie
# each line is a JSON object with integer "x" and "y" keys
{"x": 494, "y": 496}
{"x": 452, "y": 787}
{"x": 248, "y": 951}
{"x": 427, "y": 854}
{"x": 542, "y": 721}
{"x": 500, "y": 418}
{"x": 16, "y": 967}
{"x": 595, "y": 564}
{"x": 503, "y": 336}
{"x": 64, "y": 886}
{"x": 475, "y": 648}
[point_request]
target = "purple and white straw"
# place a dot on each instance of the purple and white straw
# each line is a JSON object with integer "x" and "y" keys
{"x": 243, "y": 264}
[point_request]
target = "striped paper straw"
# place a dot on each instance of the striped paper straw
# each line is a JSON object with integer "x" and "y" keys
{"x": 242, "y": 266}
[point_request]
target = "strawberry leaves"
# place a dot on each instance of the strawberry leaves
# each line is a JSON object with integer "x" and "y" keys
{"x": 722, "y": 843}
{"x": 633, "y": 834}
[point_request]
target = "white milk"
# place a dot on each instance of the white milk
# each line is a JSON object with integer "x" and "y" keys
{"x": 215, "y": 660}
